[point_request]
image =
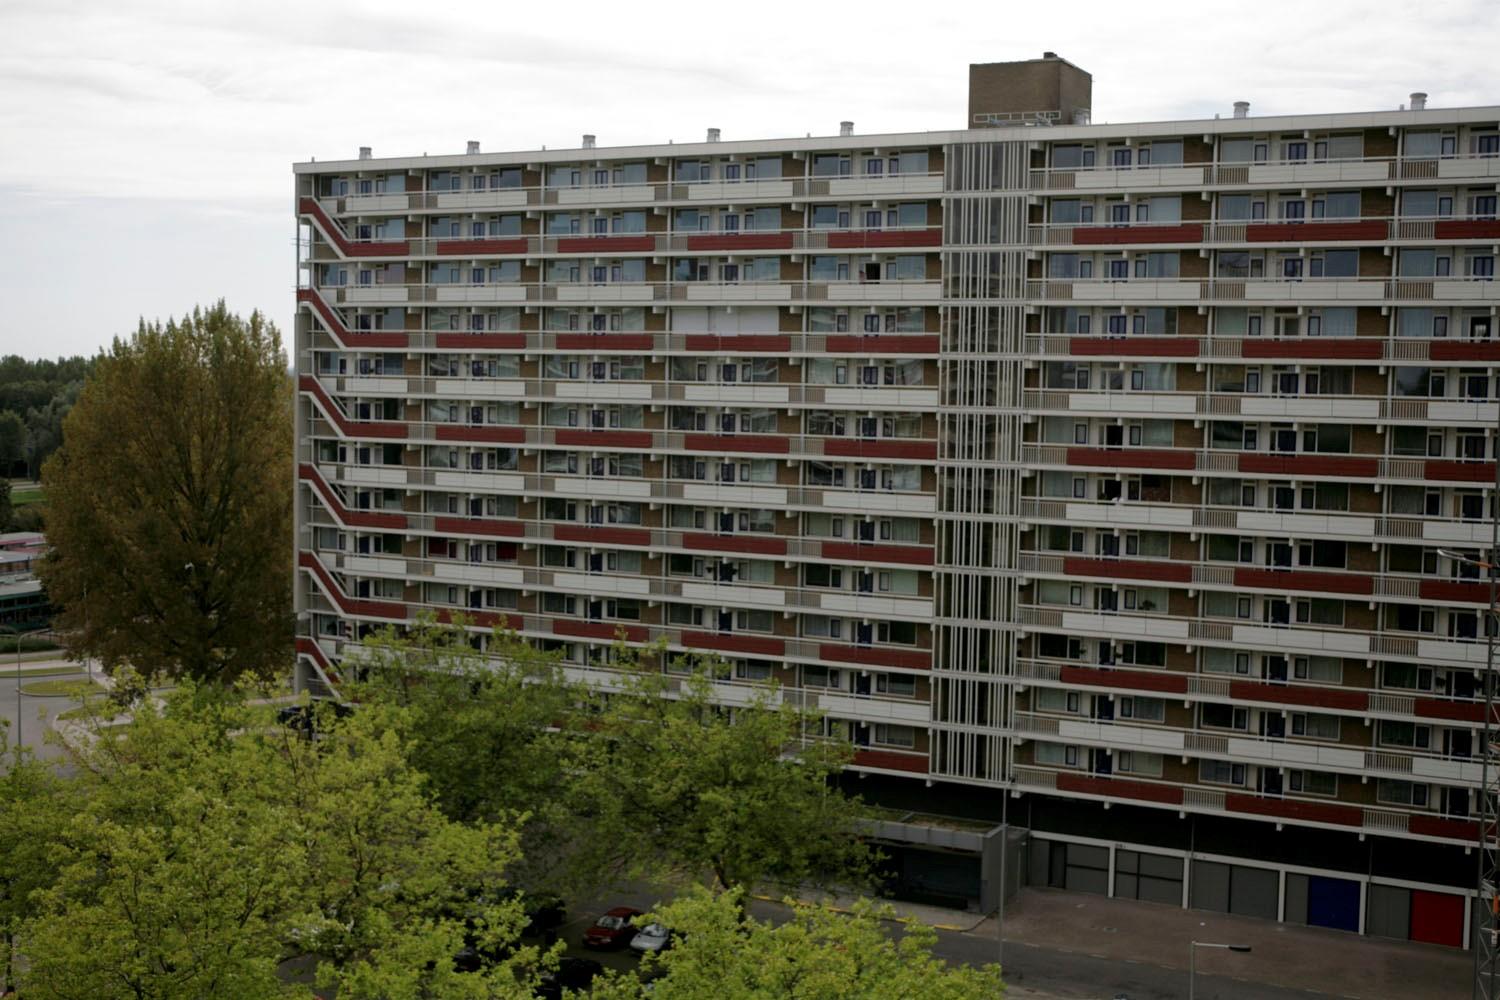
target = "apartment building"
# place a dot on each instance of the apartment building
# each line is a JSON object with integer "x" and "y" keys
{"x": 1120, "y": 473}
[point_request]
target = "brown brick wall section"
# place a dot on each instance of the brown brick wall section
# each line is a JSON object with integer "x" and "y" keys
{"x": 1029, "y": 85}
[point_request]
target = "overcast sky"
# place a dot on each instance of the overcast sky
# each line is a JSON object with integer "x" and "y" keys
{"x": 146, "y": 145}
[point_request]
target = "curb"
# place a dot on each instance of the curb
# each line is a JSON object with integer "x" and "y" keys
{"x": 963, "y": 929}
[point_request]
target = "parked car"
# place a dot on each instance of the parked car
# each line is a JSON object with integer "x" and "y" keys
{"x": 304, "y": 718}
{"x": 651, "y": 938}
{"x": 570, "y": 974}
{"x": 613, "y": 930}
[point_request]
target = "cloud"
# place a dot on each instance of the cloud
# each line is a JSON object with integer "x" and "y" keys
{"x": 128, "y": 117}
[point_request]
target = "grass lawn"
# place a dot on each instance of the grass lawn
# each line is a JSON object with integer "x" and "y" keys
{"x": 103, "y": 710}
{"x": 22, "y": 495}
{"x": 70, "y": 688}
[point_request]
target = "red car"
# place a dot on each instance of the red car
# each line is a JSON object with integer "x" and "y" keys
{"x": 613, "y": 930}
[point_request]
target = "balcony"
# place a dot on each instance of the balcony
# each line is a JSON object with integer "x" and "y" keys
{"x": 1305, "y": 173}
{"x": 1345, "y": 407}
{"x": 1240, "y": 633}
{"x": 1290, "y": 291}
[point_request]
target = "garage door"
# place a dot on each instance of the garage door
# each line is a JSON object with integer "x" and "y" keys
{"x": 1156, "y": 878}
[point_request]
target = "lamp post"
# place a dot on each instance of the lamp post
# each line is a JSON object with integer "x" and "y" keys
{"x": 19, "y": 635}
{"x": 1193, "y": 959}
{"x": 1487, "y": 913}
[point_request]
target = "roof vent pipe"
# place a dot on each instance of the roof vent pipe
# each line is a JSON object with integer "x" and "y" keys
{"x": 846, "y": 128}
{"x": 1242, "y": 109}
{"x": 589, "y": 140}
{"x": 364, "y": 152}
{"x": 713, "y": 135}
{"x": 1419, "y": 100}
{"x": 473, "y": 146}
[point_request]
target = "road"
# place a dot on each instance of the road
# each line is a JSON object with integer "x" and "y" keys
{"x": 35, "y": 713}
{"x": 1032, "y": 972}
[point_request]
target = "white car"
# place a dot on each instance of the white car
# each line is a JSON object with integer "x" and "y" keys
{"x": 651, "y": 938}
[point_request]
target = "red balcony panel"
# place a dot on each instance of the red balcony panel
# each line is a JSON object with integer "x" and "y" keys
{"x": 1286, "y": 579}
{"x": 740, "y": 241}
{"x": 481, "y": 433}
{"x": 1310, "y": 465}
{"x": 350, "y": 605}
{"x": 882, "y": 343}
{"x": 1464, "y": 350}
{"x": 891, "y": 760}
{"x": 601, "y": 534}
{"x": 481, "y": 247}
{"x": 1338, "y": 348}
{"x": 354, "y": 518}
{"x": 1187, "y": 232}
{"x": 1465, "y": 830}
{"x": 349, "y": 428}
{"x": 1167, "y": 347}
{"x": 1459, "y": 472}
{"x": 310, "y": 648}
{"x": 479, "y": 526}
{"x": 1457, "y": 711}
{"x": 716, "y": 444}
{"x": 1135, "y": 680}
{"x": 1308, "y": 812}
{"x": 876, "y": 656}
{"x": 750, "y": 343}
{"x": 860, "y": 239}
{"x": 477, "y": 618}
{"x": 1295, "y": 694}
{"x": 735, "y": 642}
{"x": 1132, "y": 458}
{"x": 1123, "y": 788}
{"x": 482, "y": 341}
{"x": 1314, "y": 232}
{"x": 766, "y": 545}
{"x": 864, "y": 448}
{"x": 1130, "y": 569}
{"x": 605, "y": 342}
{"x": 583, "y": 438}
{"x": 600, "y": 630}
{"x": 1467, "y": 229}
{"x": 857, "y": 552}
{"x": 605, "y": 244}
{"x": 349, "y": 338}
{"x": 335, "y": 233}
{"x": 1454, "y": 590}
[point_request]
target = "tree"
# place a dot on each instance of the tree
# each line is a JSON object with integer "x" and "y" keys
{"x": 496, "y": 733}
{"x": 12, "y": 441}
{"x": 34, "y": 805}
{"x": 678, "y": 783}
{"x": 169, "y": 503}
{"x": 7, "y": 509}
{"x": 818, "y": 953}
{"x": 210, "y": 846}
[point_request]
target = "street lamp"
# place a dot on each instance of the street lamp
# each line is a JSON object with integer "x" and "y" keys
{"x": 1193, "y": 959}
{"x": 1485, "y": 944}
{"x": 19, "y": 636}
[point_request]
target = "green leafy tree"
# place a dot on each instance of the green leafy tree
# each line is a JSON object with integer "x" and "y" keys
{"x": 169, "y": 503}
{"x": 34, "y": 804}
{"x": 496, "y": 733}
{"x": 12, "y": 441}
{"x": 7, "y": 510}
{"x": 678, "y": 783}
{"x": 211, "y": 846}
{"x": 818, "y": 954}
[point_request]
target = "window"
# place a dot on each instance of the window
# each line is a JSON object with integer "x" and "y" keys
{"x": 894, "y": 736}
{"x": 1313, "y": 782}
{"x": 1218, "y": 772}
{"x": 1141, "y": 709}
{"x": 1315, "y": 725}
{"x": 1401, "y": 793}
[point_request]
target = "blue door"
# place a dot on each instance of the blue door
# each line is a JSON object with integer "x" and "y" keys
{"x": 1333, "y": 902}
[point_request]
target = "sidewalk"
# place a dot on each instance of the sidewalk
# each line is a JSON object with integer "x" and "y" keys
{"x": 1287, "y": 955}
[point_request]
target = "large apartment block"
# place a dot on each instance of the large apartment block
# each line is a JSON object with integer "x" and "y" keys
{"x": 1118, "y": 469}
